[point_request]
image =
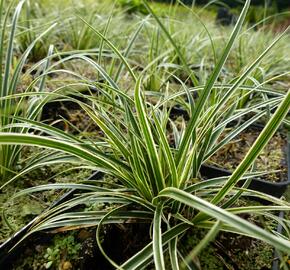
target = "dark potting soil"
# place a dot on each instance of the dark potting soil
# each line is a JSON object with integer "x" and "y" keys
{"x": 48, "y": 251}
{"x": 120, "y": 242}
{"x": 272, "y": 158}
{"x": 68, "y": 115}
{"x": 65, "y": 115}
{"x": 79, "y": 250}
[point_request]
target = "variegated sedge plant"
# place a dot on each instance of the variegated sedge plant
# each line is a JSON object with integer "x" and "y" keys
{"x": 22, "y": 94}
{"x": 157, "y": 180}
{"x": 31, "y": 25}
{"x": 11, "y": 79}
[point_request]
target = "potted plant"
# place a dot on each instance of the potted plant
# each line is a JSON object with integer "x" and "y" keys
{"x": 153, "y": 181}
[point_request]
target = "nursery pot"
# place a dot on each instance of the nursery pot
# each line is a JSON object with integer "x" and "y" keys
{"x": 275, "y": 189}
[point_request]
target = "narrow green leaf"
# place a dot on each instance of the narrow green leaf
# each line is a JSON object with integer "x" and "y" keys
{"x": 157, "y": 239}
{"x": 148, "y": 137}
{"x": 209, "y": 85}
{"x": 225, "y": 216}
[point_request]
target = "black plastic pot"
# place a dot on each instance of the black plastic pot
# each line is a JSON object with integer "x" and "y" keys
{"x": 270, "y": 188}
{"x": 275, "y": 189}
{"x": 276, "y": 261}
{"x": 275, "y": 265}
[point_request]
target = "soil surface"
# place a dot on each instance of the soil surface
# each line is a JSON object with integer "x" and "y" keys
{"x": 272, "y": 158}
{"x": 79, "y": 250}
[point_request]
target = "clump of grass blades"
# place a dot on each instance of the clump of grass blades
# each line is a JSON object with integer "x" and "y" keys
{"x": 159, "y": 179}
{"x": 10, "y": 81}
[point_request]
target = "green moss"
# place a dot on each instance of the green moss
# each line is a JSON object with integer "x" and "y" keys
{"x": 208, "y": 259}
{"x": 32, "y": 205}
{"x": 258, "y": 256}
{"x": 246, "y": 253}
{"x": 231, "y": 251}
{"x": 62, "y": 253}
{"x": 64, "y": 248}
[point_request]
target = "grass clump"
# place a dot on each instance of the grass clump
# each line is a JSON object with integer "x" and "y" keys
{"x": 158, "y": 181}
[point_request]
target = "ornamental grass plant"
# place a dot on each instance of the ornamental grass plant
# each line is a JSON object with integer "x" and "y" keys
{"x": 12, "y": 79}
{"x": 155, "y": 162}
